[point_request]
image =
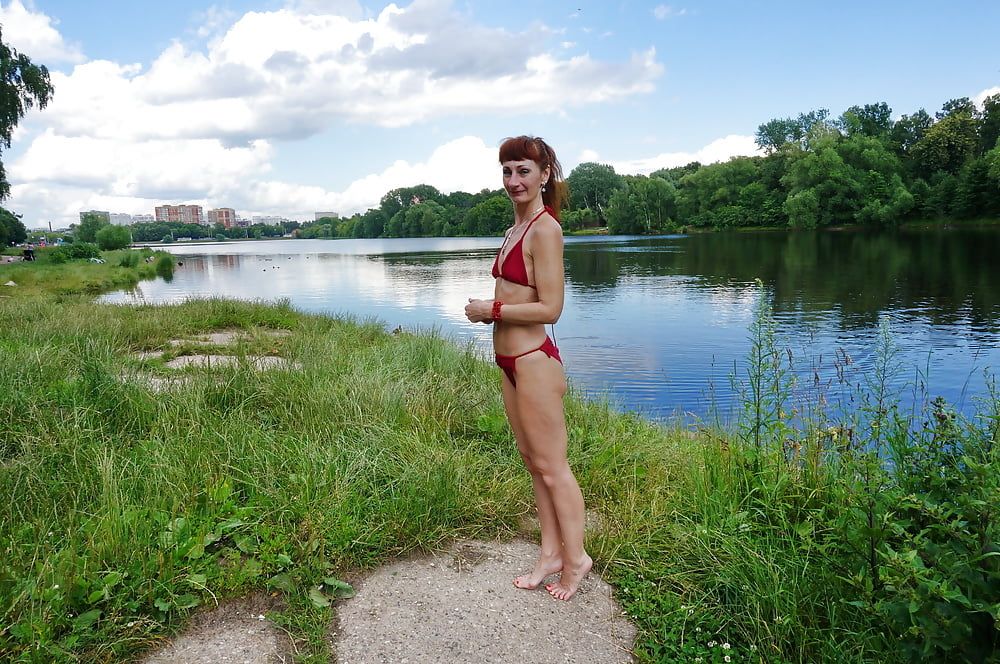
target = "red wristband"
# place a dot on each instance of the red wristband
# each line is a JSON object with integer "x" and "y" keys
{"x": 496, "y": 309}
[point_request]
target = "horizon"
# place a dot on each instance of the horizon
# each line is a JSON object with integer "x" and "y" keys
{"x": 287, "y": 108}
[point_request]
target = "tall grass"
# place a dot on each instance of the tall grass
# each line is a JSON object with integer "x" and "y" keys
{"x": 128, "y": 507}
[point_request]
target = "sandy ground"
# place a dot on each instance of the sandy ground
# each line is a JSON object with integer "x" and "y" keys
{"x": 235, "y": 633}
{"x": 457, "y": 606}
{"x": 461, "y": 606}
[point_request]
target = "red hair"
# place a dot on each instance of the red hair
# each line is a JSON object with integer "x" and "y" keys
{"x": 521, "y": 148}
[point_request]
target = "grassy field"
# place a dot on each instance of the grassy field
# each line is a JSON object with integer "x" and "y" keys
{"x": 129, "y": 504}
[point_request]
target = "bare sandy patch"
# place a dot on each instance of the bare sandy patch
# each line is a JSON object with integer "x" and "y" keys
{"x": 461, "y": 606}
{"x": 236, "y": 632}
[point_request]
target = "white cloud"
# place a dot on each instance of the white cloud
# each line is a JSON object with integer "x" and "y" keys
{"x": 60, "y": 176}
{"x": 663, "y": 12}
{"x": 200, "y": 123}
{"x": 35, "y": 35}
{"x": 213, "y": 21}
{"x": 989, "y": 92}
{"x": 720, "y": 149}
{"x": 287, "y": 75}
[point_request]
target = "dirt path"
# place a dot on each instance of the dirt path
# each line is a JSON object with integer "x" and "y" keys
{"x": 456, "y": 606}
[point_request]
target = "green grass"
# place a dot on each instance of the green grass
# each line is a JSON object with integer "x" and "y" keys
{"x": 127, "y": 508}
{"x": 80, "y": 276}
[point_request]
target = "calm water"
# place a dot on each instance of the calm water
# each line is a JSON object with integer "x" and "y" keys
{"x": 661, "y": 324}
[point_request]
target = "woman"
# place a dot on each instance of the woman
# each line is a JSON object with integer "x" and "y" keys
{"x": 528, "y": 294}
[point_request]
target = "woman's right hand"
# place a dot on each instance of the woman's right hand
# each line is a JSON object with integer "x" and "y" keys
{"x": 479, "y": 311}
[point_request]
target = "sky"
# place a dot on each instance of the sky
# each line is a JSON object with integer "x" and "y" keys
{"x": 289, "y": 107}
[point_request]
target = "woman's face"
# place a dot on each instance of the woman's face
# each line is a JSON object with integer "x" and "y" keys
{"x": 523, "y": 180}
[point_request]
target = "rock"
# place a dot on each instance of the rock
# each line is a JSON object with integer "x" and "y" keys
{"x": 10, "y": 283}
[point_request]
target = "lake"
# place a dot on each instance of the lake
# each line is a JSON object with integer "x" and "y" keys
{"x": 661, "y": 324}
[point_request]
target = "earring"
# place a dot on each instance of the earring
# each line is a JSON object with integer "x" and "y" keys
{"x": 543, "y": 186}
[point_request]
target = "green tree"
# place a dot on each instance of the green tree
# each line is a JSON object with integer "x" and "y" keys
{"x": 22, "y": 86}
{"x": 86, "y": 230}
{"x": 373, "y": 223}
{"x": 12, "y": 231}
{"x": 574, "y": 220}
{"x": 989, "y": 128}
{"x": 977, "y": 193}
{"x": 948, "y": 144}
{"x": 868, "y": 120}
{"x": 403, "y": 197}
{"x": 908, "y": 130}
{"x": 591, "y": 186}
{"x": 703, "y": 194}
{"x": 646, "y": 205}
{"x": 490, "y": 217}
{"x": 775, "y": 134}
{"x": 113, "y": 237}
{"x": 959, "y": 106}
{"x": 424, "y": 219}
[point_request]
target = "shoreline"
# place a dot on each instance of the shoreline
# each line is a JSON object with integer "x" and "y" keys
{"x": 231, "y": 480}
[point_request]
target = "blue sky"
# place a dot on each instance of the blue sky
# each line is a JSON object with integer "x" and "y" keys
{"x": 293, "y": 106}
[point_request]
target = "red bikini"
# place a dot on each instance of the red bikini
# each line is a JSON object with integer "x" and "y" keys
{"x": 515, "y": 271}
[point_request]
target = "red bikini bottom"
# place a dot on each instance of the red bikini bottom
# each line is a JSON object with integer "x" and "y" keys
{"x": 507, "y": 362}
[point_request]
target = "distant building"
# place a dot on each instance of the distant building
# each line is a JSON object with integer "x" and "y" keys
{"x": 331, "y": 215}
{"x": 121, "y": 219}
{"x": 143, "y": 218}
{"x": 102, "y": 214}
{"x": 224, "y": 216}
{"x": 184, "y": 214}
{"x": 270, "y": 221}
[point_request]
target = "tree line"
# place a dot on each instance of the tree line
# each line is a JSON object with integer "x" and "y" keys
{"x": 862, "y": 167}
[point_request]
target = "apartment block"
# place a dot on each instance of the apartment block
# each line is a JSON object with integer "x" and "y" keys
{"x": 269, "y": 220}
{"x": 184, "y": 214}
{"x": 224, "y": 216}
{"x": 121, "y": 219}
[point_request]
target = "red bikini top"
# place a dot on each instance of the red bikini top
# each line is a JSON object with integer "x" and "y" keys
{"x": 513, "y": 269}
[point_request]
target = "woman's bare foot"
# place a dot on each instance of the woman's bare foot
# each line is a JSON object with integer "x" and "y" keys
{"x": 543, "y": 567}
{"x": 570, "y": 579}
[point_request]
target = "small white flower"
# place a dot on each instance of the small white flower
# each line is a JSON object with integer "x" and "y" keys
{"x": 260, "y": 617}
{"x": 711, "y": 644}
{"x": 753, "y": 648}
{"x": 727, "y": 658}
{"x": 697, "y": 629}
{"x": 726, "y": 646}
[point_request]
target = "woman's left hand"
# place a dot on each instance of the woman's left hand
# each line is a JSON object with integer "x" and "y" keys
{"x": 479, "y": 311}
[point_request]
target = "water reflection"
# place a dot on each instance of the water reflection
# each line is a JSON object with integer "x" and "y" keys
{"x": 659, "y": 323}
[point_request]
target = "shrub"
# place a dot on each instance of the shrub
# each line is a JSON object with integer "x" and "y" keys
{"x": 164, "y": 265}
{"x": 129, "y": 259}
{"x": 74, "y": 251}
{"x": 111, "y": 238}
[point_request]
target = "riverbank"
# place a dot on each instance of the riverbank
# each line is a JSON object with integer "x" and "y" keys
{"x": 129, "y": 504}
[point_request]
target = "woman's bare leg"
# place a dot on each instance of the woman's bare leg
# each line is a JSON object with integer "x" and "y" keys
{"x": 550, "y": 560}
{"x": 541, "y": 385}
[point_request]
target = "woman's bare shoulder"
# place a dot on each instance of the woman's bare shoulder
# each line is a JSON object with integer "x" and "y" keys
{"x": 548, "y": 229}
